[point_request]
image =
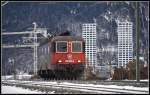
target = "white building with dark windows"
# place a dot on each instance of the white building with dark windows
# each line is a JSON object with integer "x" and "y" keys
{"x": 89, "y": 35}
{"x": 125, "y": 42}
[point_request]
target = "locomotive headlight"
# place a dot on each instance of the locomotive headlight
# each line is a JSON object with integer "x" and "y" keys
{"x": 79, "y": 61}
{"x": 59, "y": 61}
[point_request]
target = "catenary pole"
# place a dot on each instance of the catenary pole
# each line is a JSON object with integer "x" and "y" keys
{"x": 137, "y": 41}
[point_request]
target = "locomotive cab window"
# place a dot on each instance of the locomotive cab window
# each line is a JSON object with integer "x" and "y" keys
{"x": 76, "y": 46}
{"x": 61, "y": 46}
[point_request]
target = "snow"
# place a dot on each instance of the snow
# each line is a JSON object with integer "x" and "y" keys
{"x": 127, "y": 2}
{"x": 24, "y": 76}
{"x": 9, "y": 89}
{"x": 112, "y": 86}
{"x": 145, "y": 80}
{"x": 17, "y": 90}
{"x": 106, "y": 17}
{"x": 109, "y": 12}
{"x": 7, "y": 77}
{"x": 19, "y": 76}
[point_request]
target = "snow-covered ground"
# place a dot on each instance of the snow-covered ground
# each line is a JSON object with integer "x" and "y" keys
{"x": 18, "y": 90}
{"x": 69, "y": 84}
{"x": 143, "y": 80}
{"x": 18, "y": 76}
{"x": 112, "y": 86}
{"x": 7, "y": 77}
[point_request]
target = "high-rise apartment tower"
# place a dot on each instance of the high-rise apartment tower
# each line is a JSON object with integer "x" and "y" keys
{"x": 125, "y": 42}
{"x": 89, "y": 35}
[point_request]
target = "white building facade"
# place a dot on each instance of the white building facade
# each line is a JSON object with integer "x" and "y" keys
{"x": 89, "y": 35}
{"x": 125, "y": 42}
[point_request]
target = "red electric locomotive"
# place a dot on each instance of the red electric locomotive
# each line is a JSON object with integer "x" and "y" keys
{"x": 65, "y": 58}
{"x": 68, "y": 50}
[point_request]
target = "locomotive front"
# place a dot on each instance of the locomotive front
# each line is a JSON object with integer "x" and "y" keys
{"x": 67, "y": 56}
{"x": 67, "y": 50}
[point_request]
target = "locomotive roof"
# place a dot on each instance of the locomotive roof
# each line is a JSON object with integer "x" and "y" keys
{"x": 64, "y": 38}
{"x": 60, "y": 38}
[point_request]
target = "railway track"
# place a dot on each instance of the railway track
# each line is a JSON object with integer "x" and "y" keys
{"x": 65, "y": 87}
